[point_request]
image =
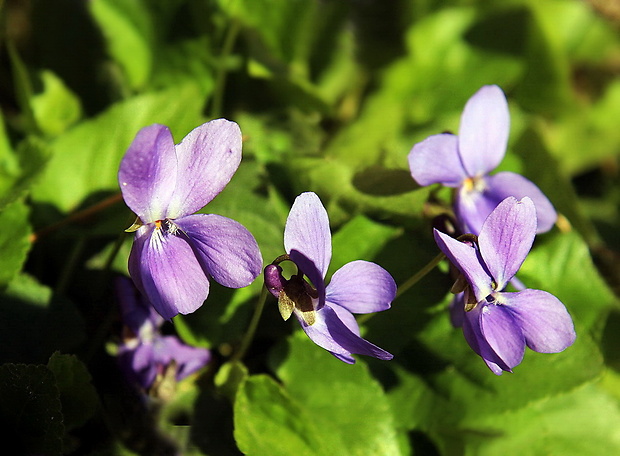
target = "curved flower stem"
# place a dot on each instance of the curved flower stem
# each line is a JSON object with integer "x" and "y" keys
{"x": 408, "y": 284}
{"x": 249, "y": 335}
{"x": 420, "y": 274}
{"x": 84, "y": 213}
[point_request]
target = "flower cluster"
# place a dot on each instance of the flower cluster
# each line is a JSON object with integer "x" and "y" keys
{"x": 177, "y": 251}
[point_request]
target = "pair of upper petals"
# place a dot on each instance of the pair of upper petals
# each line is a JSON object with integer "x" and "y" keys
{"x": 161, "y": 180}
{"x": 477, "y": 150}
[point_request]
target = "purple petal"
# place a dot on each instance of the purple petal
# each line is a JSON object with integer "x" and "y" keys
{"x": 545, "y": 322}
{"x": 506, "y": 238}
{"x": 457, "y": 310}
{"x": 502, "y": 333}
{"x": 308, "y": 240}
{"x": 188, "y": 359}
{"x": 505, "y": 184}
{"x": 148, "y": 173}
{"x": 166, "y": 270}
{"x": 134, "y": 311}
{"x": 437, "y": 160}
{"x": 472, "y": 207}
{"x": 207, "y": 159}
{"x": 466, "y": 260}
{"x": 225, "y": 249}
{"x": 330, "y": 333}
{"x": 473, "y": 335}
{"x": 137, "y": 364}
{"x": 484, "y": 130}
{"x": 361, "y": 287}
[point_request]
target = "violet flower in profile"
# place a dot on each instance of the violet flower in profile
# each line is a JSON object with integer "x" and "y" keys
{"x": 465, "y": 161}
{"x": 326, "y": 312}
{"x": 498, "y": 324}
{"x": 174, "y": 252}
{"x": 145, "y": 353}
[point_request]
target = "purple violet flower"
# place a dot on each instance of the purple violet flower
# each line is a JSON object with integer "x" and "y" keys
{"x": 325, "y": 312}
{"x": 174, "y": 252}
{"x": 498, "y": 324}
{"x": 465, "y": 161}
{"x": 145, "y": 353}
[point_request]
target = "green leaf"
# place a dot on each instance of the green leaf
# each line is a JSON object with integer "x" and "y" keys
{"x": 584, "y": 422}
{"x": 128, "y": 29}
{"x": 34, "y": 323}
{"x": 30, "y": 409}
{"x": 86, "y": 158}
{"x": 21, "y": 169}
{"x": 14, "y": 240}
{"x": 77, "y": 395}
{"x": 341, "y": 397}
{"x": 359, "y": 239}
{"x": 269, "y": 421}
{"x": 56, "y": 107}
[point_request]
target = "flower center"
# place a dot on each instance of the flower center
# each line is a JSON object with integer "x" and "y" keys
{"x": 474, "y": 184}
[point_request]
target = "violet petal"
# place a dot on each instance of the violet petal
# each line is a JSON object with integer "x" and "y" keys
{"x": 506, "y": 238}
{"x": 308, "y": 240}
{"x": 505, "y": 184}
{"x": 503, "y": 333}
{"x": 168, "y": 272}
{"x": 207, "y": 159}
{"x": 466, "y": 260}
{"x": 361, "y": 287}
{"x": 484, "y": 130}
{"x": 188, "y": 359}
{"x": 473, "y": 335}
{"x": 437, "y": 160}
{"x": 147, "y": 173}
{"x": 330, "y": 333}
{"x": 224, "y": 248}
{"x": 545, "y": 322}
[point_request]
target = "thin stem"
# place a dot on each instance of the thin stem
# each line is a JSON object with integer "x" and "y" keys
{"x": 220, "y": 81}
{"x": 84, "y": 213}
{"x": 249, "y": 335}
{"x": 408, "y": 284}
{"x": 419, "y": 275}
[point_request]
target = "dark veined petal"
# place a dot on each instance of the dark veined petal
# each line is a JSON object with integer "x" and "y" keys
{"x": 361, "y": 287}
{"x": 473, "y": 335}
{"x": 506, "y": 238}
{"x": 207, "y": 158}
{"x": 225, "y": 248}
{"x": 545, "y": 322}
{"x": 308, "y": 240}
{"x": 188, "y": 359}
{"x": 148, "y": 172}
{"x": 437, "y": 160}
{"x": 165, "y": 268}
{"x": 505, "y": 184}
{"x": 466, "y": 260}
{"x": 484, "y": 130}
{"x": 330, "y": 333}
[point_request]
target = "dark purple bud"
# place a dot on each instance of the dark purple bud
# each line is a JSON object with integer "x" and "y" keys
{"x": 274, "y": 280}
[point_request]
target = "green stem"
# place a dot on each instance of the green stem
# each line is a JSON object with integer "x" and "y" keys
{"x": 409, "y": 283}
{"x": 419, "y": 275}
{"x": 249, "y": 335}
{"x": 220, "y": 81}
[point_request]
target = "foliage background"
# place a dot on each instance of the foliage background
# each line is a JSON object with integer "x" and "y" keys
{"x": 330, "y": 96}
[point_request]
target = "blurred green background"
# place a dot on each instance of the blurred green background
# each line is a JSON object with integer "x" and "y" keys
{"x": 330, "y": 96}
